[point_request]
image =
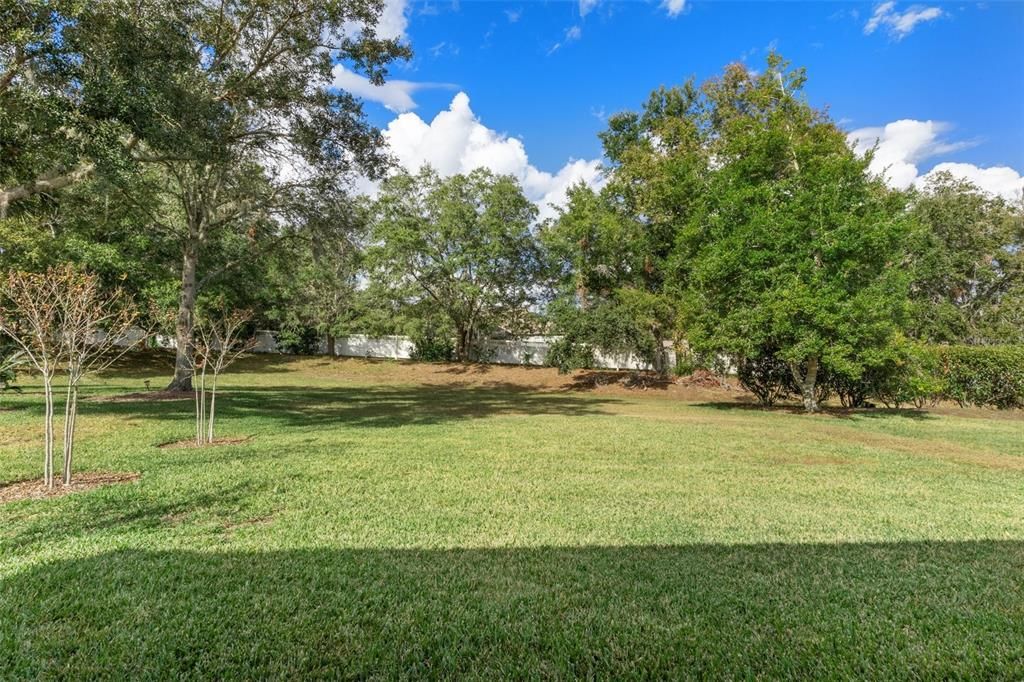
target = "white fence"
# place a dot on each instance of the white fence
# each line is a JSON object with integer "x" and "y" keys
{"x": 527, "y": 350}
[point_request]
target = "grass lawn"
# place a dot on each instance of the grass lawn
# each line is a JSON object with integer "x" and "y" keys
{"x": 386, "y": 521}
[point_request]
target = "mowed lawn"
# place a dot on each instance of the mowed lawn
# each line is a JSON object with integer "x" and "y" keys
{"x": 389, "y": 521}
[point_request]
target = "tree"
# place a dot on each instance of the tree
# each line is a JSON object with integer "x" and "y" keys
{"x": 30, "y": 316}
{"x": 64, "y": 319}
{"x": 968, "y": 265}
{"x": 232, "y": 102}
{"x": 220, "y": 339}
{"x": 462, "y": 244}
{"x": 97, "y": 327}
{"x": 792, "y": 246}
{"x": 616, "y": 246}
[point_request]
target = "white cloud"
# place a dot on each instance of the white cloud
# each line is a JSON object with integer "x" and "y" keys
{"x": 586, "y": 6}
{"x": 899, "y": 24}
{"x": 394, "y": 19}
{"x": 999, "y": 180}
{"x": 903, "y": 145}
{"x": 673, "y": 7}
{"x": 396, "y": 95}
{"x": 455, "y": 141}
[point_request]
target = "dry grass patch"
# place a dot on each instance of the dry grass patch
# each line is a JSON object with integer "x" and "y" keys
{"x": 35, "y": 489}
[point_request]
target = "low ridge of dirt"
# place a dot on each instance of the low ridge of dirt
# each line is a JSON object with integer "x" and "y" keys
{"x": 34, "y": 489}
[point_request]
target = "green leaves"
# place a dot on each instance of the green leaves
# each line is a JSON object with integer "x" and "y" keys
{"x": 460, "y": 246}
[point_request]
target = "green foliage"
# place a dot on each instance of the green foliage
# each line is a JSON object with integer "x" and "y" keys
{"x": 985, "y": 376}
{"x": 432, "y": 345}
{"x": 458, "y": 247}
{"x": 790, "y": 245}
{"x": 766, "y": 376}
{"x": 967, "y": 264}
{"x": 298, "y": 340}
{"x": 568, "y": 355}
{"x": 10, "y": 360}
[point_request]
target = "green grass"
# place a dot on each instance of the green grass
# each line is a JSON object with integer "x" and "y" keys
{"x": 373, "y": 526}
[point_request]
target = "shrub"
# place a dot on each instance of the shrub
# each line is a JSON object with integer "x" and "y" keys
{"x": 990, "y": 376}
{"x": 428, "y": 347}
{"x": 298, "y": 341}
{"x": 766, "y": 376}
{"x": 567, "y": 356}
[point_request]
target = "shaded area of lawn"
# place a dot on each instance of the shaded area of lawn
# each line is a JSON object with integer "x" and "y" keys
{"x": 932, "y": 610}
{"x": 369, "y": 406}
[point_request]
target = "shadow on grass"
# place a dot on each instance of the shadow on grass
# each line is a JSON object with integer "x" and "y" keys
{"x": 383, "y": 406}
{"x": 827, "y": 411}
{"x": 908, "y": 610}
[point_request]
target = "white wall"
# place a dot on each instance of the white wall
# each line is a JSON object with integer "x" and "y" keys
{"x": 527, "y": 350}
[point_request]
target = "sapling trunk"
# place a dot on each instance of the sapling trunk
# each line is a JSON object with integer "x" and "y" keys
{"x": 48, "y": 430}
{"x": 213, "y": 405}
{"x": 70, "y": 417}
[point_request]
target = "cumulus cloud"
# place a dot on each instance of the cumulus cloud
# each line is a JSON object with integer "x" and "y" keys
{"x": 396, "y": 95}
{"x": 903, "y": 145}
{"x": 899, "y": 24}
{"x": 455, "y": 141}
{"x": 394, "y": 19}
{"x": 673, "y": 7}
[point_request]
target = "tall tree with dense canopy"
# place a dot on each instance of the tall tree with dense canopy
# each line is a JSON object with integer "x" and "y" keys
{"x": 968, "y": 267}
{"x": 464, "y": 244}
{"x": 792, "y": 246}
{"x": 232, "y": 101}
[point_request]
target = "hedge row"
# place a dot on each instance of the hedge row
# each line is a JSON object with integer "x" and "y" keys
{"x": 982, "y": 376}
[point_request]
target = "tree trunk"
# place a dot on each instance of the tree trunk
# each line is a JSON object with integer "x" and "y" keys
{"x": 806, "y": 381}
{"x": 213, "y": 406}
{"x": 182, "y": 380}
{"x": 48, "y": 430}
{"x": 70, "y": 416}
{"x": 330, "y": 344}
{"x": 462, "y": 345}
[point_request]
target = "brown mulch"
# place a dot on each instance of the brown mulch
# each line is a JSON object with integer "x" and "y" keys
{"x": 703, "y": 378}
{"x": 191, "y": 443}
{"x": 35, "y": 489}
{"x": 146, "y": 395}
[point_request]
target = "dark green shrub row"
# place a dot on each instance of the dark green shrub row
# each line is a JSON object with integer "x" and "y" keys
{"x": 911, "y": 374}
{"x": 982, "y": 375}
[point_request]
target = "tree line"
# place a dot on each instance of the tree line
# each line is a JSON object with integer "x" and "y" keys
{"x": 187, "y": 152}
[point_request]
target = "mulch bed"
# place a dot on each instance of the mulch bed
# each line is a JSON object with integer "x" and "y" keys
{"x": 35, "y": 489}
{"x": 191, "y": 443}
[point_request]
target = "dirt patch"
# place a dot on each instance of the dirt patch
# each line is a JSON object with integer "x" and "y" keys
{"x": 155, "y": 396}
{"x": 191, "y": 443}
{"x": 36, "y": 490}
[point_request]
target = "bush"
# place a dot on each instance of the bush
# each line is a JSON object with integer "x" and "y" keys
{"x": 567, "y": 356}
{"x": 432, "y": 348}
{"x": 298, "y": 341}
{"x": 766, "y": 376}
{"x": 984, "y": 376}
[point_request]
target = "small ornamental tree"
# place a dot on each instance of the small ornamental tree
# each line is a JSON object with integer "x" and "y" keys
{"x": 98, "y": 326}
{"x": 30, "y": 315}
{"x": 218, "y": 340}
{"x": 65, "y": 319}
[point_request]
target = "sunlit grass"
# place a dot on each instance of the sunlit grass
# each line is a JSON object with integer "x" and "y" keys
{"x": 388, "y": 520}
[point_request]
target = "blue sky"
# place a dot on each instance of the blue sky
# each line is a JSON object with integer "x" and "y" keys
{"x": 544, "y": 75}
